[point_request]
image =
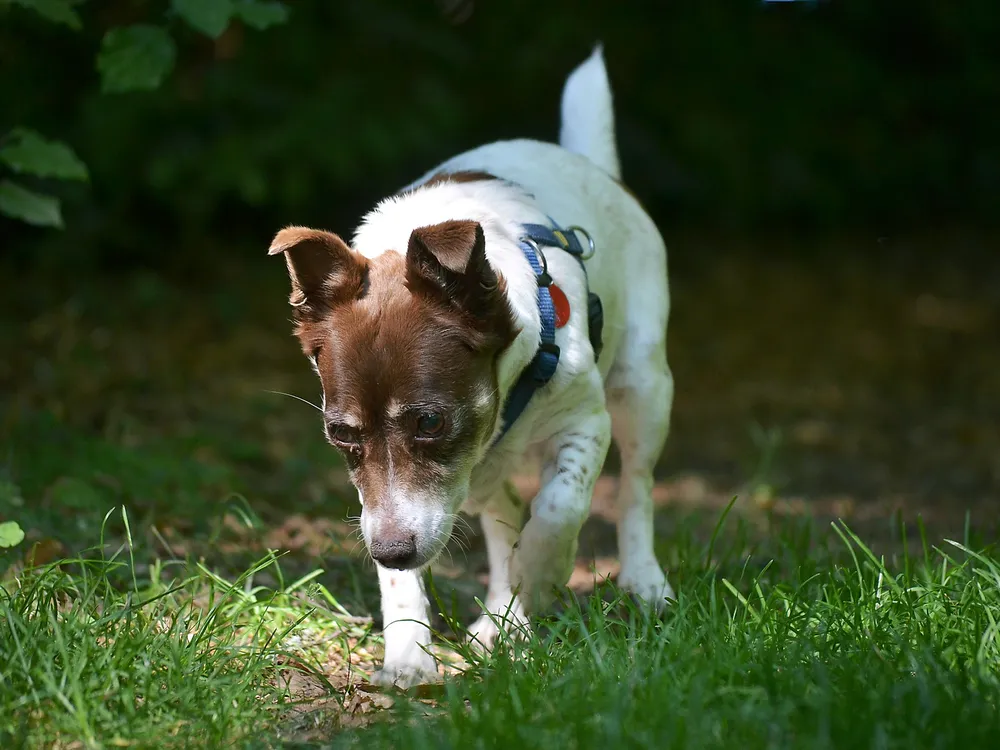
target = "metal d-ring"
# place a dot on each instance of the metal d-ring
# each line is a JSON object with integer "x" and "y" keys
{"x": 544, "y": 275}
{"x": 590, "y": 241}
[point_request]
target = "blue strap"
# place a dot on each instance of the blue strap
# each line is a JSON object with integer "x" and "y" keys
{"x": 556, "y": 237}
{"x": 546, "y": 360}
{"x": 543, "y": 366}
{"x": 568, "y": 240}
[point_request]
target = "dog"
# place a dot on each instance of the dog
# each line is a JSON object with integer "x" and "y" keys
{"x": 512, "y": 303}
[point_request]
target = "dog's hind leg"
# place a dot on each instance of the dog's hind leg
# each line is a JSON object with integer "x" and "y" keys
{"x": 640, "y": 396}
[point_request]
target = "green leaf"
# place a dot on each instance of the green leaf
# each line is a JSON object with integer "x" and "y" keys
{"x": 210, "y": 17}
{"x": 59, "y": 11}
{"x": 11, "y": 534}
{"x": 260, "y": 14}
{"x": 28, "y": 152}
{"x": 34, "y": 208}
{"x": 135, "y": 57}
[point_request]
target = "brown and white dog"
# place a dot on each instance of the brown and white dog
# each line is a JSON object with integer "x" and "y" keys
{"x": 422, "y": 326}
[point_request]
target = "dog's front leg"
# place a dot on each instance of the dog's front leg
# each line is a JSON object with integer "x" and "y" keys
{"x": 502, "y": 518}
{"x": 406, "y": 629}
{"x": 547, "y": 546}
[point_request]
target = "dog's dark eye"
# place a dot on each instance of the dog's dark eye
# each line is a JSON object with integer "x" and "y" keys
{"x": 430, "y": 425}
{"x": 344, "y": 436}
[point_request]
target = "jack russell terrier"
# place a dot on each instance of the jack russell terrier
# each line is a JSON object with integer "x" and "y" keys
{"x": 512, "y": 302}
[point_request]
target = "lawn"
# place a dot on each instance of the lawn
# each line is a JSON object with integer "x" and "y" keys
{"x": 810, "y": 650}
{"x": 191, "y": 577}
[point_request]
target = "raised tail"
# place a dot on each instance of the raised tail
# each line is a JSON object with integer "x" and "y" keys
{"x": 588, "y": 116}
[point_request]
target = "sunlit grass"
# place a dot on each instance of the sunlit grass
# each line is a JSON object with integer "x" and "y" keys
{"x": 178, "y": 659}
{"x": 854, "y": 652}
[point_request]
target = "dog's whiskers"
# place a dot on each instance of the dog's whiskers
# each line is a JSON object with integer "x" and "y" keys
{"x": 461, "y": 532}
{"x": 297, "y": 398}
{"x": 354, "y": 548}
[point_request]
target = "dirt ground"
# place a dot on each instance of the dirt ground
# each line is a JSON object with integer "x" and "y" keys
{"x": 875, "y": 370}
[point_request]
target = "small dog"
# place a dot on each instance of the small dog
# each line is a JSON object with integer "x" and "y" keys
{"x": 511, "y": 303}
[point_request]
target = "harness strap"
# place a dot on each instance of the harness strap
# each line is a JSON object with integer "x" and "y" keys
{"x": 546, "y": 360}
{"x": 568, "y": 240}
{"x": 543, "y": 366}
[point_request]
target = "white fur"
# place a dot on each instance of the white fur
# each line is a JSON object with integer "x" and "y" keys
{"x": 588, "y": 117}
{"x": 405, "y": 617}
{"x": 502, "y": 518}
{"x": 569, "y": 423}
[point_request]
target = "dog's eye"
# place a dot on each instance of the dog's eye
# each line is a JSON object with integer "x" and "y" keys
{"x": 430, "y": 425}
{"x": 343, "y": 435}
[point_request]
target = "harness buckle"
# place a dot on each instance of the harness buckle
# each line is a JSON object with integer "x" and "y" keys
{"x": 549, "y": 347}
{"x": 546, "y": 360}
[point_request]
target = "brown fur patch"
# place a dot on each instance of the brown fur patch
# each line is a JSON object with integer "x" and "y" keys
{"x": 462, "y": 175}
{"x": 423, "y": 338}
{"x": 323, "y": 270}
{"x": 447, "y": 261}
{"x": 452, "y": 243}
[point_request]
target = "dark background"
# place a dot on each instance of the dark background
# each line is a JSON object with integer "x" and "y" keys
{"x": 737, "y": 116}
{"x": 826, "y": 175}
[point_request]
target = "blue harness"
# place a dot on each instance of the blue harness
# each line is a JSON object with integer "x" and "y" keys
{"x": 546, "y": 360}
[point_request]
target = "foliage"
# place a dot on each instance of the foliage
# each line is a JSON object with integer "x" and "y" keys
{"x": 11, "y": 534}
{"x": 28, "y": 153}
{"x": 751, "y": 116}
{"x": 57, "y": 11}
{"x": 756, "y": 116}
{"x": 133, "y": 57}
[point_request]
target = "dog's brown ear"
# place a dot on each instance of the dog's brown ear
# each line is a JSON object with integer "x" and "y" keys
{"x": 447, "y": 261}
{"x": 323, "y": 269}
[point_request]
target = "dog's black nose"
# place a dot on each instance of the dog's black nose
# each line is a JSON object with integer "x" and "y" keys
{"x": 399, "y": 552}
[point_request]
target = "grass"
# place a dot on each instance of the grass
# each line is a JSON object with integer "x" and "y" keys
{"x": 796, "y": 652}
{"x": 95, "y": 656}
{"x": 226, "y": 608}
{"x": 851, "y": 656}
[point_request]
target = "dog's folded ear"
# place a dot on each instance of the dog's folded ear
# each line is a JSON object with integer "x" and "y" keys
{"x": 323, "y": 270}
{"x": 447, "y": 261}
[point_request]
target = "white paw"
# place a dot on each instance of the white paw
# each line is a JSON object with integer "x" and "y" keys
{"x": 484, "y": 632}
{"x": 648, "y": 583}
{"x": 405, "y": 676}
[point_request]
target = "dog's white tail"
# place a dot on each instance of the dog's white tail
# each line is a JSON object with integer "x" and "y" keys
{"x": 588, "y": 117}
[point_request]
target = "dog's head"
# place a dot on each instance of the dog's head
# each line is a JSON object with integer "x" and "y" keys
{"x": 406, "y": 346}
